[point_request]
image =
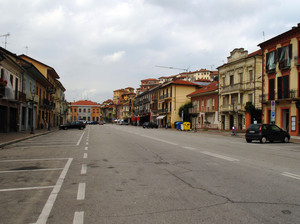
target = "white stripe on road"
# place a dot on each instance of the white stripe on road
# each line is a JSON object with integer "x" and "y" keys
{"x": 28, "y": 160}
{"x": 86, "y": 143}
{"x": 80, "y": 138}
{"x": 26, "y": 188}
{"x": 78, "y": 218}
{"x": 86, "y": 148}
{"x": 81, "y": 191}
{"x": 50, "y": 202}
{"x": 189, "y": 148}
{"x": 83, "y": 169}
{"x": 17, "y": 171}
{"x": 219, "y": 156}
{"x": 291, "y": 175}
{"x": 158, "y": 139}
{"x": 85, "y": 155}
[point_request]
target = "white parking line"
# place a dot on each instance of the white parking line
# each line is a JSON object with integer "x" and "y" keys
{"x": 78, "y": 218}
{"x": 86, "y": 148}
{"x": 291, "y": 175}
{"x": 81, "y": 191}
{"x": 83, "y": 169}
{"x": 26, "y": 188}
{"x": 50, "y": 202}
{"x": 17, "y": 171}
{"x": 80, "y": 138}
{"x": 219, "y": 156}
{"x": 28, "y": 160}
{"x": 189, "y": 148}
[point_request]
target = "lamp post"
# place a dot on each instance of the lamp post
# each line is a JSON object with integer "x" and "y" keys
{"x": 32, "y": 112}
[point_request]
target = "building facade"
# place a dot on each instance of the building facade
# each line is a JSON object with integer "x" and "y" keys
{"x": 281, "y": 81}
{"x": 239, "y": 83}
{"x": 85, "y": 110}
{"x": 205, "y": 107}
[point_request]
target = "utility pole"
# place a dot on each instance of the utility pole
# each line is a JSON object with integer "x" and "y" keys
{"x": 5, "y": 36}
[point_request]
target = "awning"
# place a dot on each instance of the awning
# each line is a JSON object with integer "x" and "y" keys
{"x": 160, "y": 117}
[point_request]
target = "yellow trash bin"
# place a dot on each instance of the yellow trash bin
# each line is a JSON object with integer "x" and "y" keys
{"x": 186, "y": 126}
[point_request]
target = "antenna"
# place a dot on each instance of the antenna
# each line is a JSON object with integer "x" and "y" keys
{"x": 264, "y": 35}
{"x": 184, "y": 69}
{"x": 5, "y": 35}
{"x": 26, "y": 50}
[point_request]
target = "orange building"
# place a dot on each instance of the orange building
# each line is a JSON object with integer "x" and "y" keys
{"x": 85, "y": 110}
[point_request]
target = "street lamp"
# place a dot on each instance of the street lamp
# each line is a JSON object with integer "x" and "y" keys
{"x": 32, "y": 112}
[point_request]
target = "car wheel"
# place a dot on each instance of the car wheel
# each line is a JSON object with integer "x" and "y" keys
{"x": 81, "y": 128}
{"x": 286, "y": 139}
{"x": 248, "y": 140}
{"x": 65, "y": 128}
{"x": 263, "y": 139}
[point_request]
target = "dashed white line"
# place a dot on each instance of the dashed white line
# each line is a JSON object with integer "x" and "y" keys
{"x": 161, "y": 140}
{"x": 187, "y": 147}
{"x": 81, "y": 191}
{"x": 291, "y": 175}
{"x": 83, "y": 169}
{"x": 86, "y": 143}
{"x": 85, "y": 155}
{"x": 50, "y": 202}
{"x": 78, "y": 218}
{"x": 219, "y": 156}
{"x": 86, "y": 148}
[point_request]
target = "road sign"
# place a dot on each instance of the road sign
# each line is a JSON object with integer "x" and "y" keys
{"x": 273, "y": 111}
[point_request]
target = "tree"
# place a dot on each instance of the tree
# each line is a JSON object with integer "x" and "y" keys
{"x": 185, "y": 109}
{"x": 255, "y": 113}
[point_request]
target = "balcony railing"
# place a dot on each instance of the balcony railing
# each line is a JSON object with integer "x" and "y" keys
{"x": 231, "y": 88}
{"x": 164, "y": 96}
{"x": 231, "y": 107}
{"x": 281, "y": 95}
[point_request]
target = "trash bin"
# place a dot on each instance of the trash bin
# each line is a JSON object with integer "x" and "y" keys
{"x": 178, "y": 125}
{"x": 186, "y": 126}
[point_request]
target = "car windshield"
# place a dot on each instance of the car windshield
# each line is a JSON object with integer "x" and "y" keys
{"x": 254, "y": 127}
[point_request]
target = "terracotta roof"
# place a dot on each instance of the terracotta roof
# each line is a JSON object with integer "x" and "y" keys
{"x": 84, "y": 103}
{"x": 183, "y": 82}
{"x": 211, "y": 87}
{"x": 258, "y": 52}
{"x": 149, "y": 80}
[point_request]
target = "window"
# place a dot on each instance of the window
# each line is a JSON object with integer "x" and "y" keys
{"x": 285, "y": 56}
{"x": 250, "y": 97}
{"x": 2, "y": 73}
{"x": 250, "y": 75}
{"x": 93, "y": 110}
{"x": 75, "y": 110}
{"x": 89, "y": 110}
{"x": 283, "y": 87}
{"x": 271, "y": 89}
{"x": 79, "y": 110}
{"x": 241, "y": 77}
{"x": 84, "y": 110}
{"x": 270, "y": 62}
{"x": 224, "y": 81}
{"x": 231, "y": 80}
{"x": 12, "y": 81}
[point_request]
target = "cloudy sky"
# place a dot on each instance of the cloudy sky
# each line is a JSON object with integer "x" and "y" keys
{"x": 97, "y": 46}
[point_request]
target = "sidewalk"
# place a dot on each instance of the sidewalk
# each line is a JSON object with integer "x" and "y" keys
{"x": 13, "y": 137}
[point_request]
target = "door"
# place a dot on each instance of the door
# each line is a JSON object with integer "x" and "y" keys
{"x": 275, "y": 133}
{"x": 231, "y": 121}
{"x": 285, "y": 119}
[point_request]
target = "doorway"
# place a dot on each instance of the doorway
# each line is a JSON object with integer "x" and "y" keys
{"x": 285, "y": 119}
{"x": 231, "y": 121}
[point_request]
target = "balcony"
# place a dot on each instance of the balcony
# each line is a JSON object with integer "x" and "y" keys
{"x": 282, "y": 95}
{"x": 165, "y": 96}
{"x": 231, "y": 107}
{"x": 22, "y": 97}
{"x": 232, "y": 88}
{"x": 194, "y": 110}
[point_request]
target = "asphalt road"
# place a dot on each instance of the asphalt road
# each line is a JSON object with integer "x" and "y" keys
{"x": 123, "y": 174}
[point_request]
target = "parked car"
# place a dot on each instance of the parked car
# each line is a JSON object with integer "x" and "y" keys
{"x": 101, "y": 123}
{"x": 94, "y": 122}
{"x": 74, "y": 124}
{"x": 266, "y": 132}
{"x": 150, "y": 125}
{"x": 123, "y": 123}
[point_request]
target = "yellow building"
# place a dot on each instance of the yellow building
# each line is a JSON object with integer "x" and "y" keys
{"x": 171, "y": 96}
{"x": 85, "y": 110}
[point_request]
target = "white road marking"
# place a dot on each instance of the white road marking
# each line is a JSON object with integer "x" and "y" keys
{"x": 28, "y": 160}
{"x": 81, "y": 191}
{"x": 50, "y": 202}
{"x": 26, "y": 188}
{"x": 190, "y": 148}
{"x": 78, "y": 218}
{"x": 158, "y": 139}
{"x": 291, "y": 175}
{"x": 219, "y": 156}
{"x": 86, "y": 143}
{"x": 17, "y": 171}
{"x": 85, "y": 155}
{"x": 83, "y": 169}
{"x": 80, "y": 138}
{"x": 86, "y": 148}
